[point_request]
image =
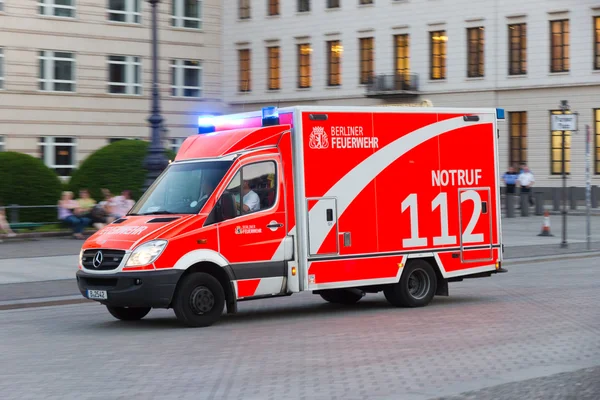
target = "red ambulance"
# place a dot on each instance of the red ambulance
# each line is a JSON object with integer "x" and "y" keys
{"x": 340, "y": 201}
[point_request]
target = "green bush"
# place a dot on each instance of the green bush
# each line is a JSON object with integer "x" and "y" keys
{"x": 116, "y": 167}
{"x": 26, "y": 181}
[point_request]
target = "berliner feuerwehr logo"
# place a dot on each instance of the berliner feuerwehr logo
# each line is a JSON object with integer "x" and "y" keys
{"x": 318, "y": 138}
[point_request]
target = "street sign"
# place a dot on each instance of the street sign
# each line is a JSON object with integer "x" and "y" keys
{"x": 565, "y": 122}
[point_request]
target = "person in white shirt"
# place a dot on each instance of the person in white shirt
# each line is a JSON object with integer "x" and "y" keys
{"x": 122, "y": 204}
{"x": 250, "y": 199}
{"x": 526, "y": 181}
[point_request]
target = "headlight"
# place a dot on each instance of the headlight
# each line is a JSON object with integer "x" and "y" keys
{"x": 146, "y": 253}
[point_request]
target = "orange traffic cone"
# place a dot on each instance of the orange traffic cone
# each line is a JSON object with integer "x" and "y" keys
{"x": 546, "y": 225}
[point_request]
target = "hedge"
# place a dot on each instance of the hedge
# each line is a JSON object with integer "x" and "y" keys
{"x": 117, "y": 167}
{"x": 27, "y": 181}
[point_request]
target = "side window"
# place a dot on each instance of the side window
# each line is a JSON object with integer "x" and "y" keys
{"x": 252, "y": 189}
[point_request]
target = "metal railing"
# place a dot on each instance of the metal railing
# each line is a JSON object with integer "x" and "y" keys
{"x": 13, "y": 214}
{"x": 393, "y": 84}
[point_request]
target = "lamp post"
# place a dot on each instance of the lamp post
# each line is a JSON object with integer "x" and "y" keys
{"x": 156, "y": 160}
{"x": 564, "y": 107}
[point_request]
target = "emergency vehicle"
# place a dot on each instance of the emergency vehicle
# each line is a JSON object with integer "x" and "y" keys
{"x": 340, "y": 201}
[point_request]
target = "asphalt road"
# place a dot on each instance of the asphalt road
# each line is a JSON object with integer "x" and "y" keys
{"x": 532, "y": 333}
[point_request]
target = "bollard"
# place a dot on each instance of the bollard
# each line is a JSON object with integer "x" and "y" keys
{"x": 556, "y": 199}
{"x": 539, "y": 203}
{"x": 594, "y": 196}
{"x": 572, "y": 198}
{"x": 524, "y": 204}
{"x": 510, "y": 205}
{"x": 14, "y": 214}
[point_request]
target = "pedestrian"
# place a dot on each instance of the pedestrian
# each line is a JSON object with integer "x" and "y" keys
{"x": 4, "y": 225}
{"x": 122, "y": 204}
{"x": 510, "y": 179}
{"x": 526, "y": 180}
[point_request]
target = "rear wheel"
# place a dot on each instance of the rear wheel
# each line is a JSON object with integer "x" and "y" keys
{"x": 416, "y": 288}
{"x": 200, "y": 300}
{"x": 128, "y": 313}
{"x": 340, "y": 296}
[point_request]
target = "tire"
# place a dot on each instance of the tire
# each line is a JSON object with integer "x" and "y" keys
{"x": 340, "y": 296}
{"x": 416, "y": 288}
{"x": 199, "y": 300}
{"x": 128, "y": 313}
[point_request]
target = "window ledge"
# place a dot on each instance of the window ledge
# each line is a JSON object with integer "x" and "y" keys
{"x": 304, "y": 89}
{"x": 445, "y": 80}
{"x": 596, "y": 71}
{"x": 337, "y": 87}
{"x": 275, "y": 16}
{"x": 519, "y": 76}
{"x": 334, "y": 9}
{"x": 366, "y": 5}
{"x": 52, "y": 92}
{"x": 272, "y": 91}
{"x": 559, "y": 73}
{"x": 475, "y": 78}
{"x": 299, "y": 13}
{"x": 129, "y": 24}
{"x": 184, "y": 29}
{"x": 58, "y": 17}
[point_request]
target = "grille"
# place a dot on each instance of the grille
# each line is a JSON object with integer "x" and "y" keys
{"x": 110, "y": 259}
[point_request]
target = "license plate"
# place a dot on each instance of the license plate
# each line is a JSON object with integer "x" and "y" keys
{"x": 97, "y": 294}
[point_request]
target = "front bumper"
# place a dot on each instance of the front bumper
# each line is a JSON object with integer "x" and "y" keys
{"x": 132, "y": 289}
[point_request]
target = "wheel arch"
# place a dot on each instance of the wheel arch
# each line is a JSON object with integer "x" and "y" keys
{"x": 223, "y": 274}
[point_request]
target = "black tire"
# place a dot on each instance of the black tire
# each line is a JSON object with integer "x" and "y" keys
{"x": 128, "y": 313}
{"x": 199, "y": 300}
{"x": 416, "y": 288}
{"x": 340, "y": 296}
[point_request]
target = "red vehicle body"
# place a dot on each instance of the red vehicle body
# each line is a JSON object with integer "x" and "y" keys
{"x": 347, "y": 201}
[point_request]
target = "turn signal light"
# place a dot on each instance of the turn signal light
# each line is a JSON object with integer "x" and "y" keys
{"x": 293, "y": 271}
{"x": 202, "y": 241}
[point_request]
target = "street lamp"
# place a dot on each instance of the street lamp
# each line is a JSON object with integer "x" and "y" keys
{"x": 156, "y": 160}
{"x": 564, "y": 107}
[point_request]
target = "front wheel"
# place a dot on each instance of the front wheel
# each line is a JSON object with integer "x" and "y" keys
{"x": 416, "y": 288}
{"x": 128, "y": 313}
{"x": 199, "y": 301}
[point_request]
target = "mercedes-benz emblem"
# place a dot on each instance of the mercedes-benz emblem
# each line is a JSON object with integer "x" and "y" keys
{"x": 98, "y": 258}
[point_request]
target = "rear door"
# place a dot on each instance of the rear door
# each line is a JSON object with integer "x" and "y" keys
{"x": 475, "y": 223}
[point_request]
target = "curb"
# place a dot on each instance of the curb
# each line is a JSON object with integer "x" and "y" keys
{"x": 43, "y": 302}
{"x": 41, "y": 235}
{"x": 551, "y": 257}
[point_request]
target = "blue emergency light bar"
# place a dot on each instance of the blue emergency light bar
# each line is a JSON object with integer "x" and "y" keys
{"x": 206, "y": 125}
{"x": 270, "y": 116}
{"x": 500, "y": 113}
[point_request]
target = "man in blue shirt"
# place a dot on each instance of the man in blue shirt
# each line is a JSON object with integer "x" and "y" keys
{"x": 510, "y": 179}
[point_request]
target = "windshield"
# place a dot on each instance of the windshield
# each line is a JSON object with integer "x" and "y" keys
{"x": 182, "y": 189}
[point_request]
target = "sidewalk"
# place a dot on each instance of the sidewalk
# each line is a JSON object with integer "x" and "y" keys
{"x": 46, "y": 259}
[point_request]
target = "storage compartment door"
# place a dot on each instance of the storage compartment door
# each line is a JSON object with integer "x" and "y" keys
{"x": 322, "y": 227}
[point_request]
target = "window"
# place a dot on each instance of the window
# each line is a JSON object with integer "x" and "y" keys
{"x": 518, "y": 138}
{"x": 365, "y": 1}
{"x": 303, "y": 5}
{"x": 304, "y": 66}
{"x": 438, "y": 43}
{"x": 273, "y": 7}
{"x": 186, "y": 78}
{"x": 597, "y": 43}
{"x": 1, "y": 5}
{"x": 559, "y": 46}
{"x": 255, "y": 184}
{"x": 124, "y": 75}
{"x": 1, "y": 68}
{"x": 273, "y": 72}
{"x": 366, "y": 60}
{"x": 244, "y": 78}
{"x": 57, "y": 8}
{"x": 475, "y": 46}
{"x": 334, "y": 63}
{"x": 124, "y": 11}
{"x": 556, "y": 151}
{"x": 244, "y": 9}
{"x": 333, "y": 3}
{"x": 1, "y": 143}
{"x": 597, "y": 141}
{"x": 186, "y": 13}
{"x": 58, "y": 153}
{"x": 401, "y": 55}
{"x": 57, "y": 71}
{"x": 517, "y": 53}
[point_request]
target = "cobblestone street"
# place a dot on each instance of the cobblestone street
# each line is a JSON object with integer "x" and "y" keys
{"x": 538, "y": 320}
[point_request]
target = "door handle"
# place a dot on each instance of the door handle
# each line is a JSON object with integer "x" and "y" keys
{"x": 274, "y": 225}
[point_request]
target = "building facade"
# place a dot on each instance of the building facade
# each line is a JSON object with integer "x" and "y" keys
{"x": 76, "y": 75}
{"x": 523, "y": 56}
